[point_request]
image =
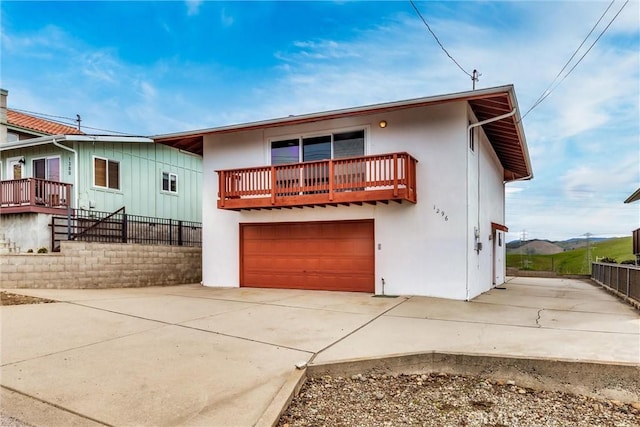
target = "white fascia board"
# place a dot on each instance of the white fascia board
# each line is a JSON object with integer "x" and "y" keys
{"x": 347, "y": 111}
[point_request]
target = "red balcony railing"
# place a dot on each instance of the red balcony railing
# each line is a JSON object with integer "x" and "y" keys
{"x": 356, "y": 180}
{"x": 33, "y": 195}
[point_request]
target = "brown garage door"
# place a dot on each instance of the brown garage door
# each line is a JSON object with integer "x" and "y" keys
{"x": 335, "y": 255}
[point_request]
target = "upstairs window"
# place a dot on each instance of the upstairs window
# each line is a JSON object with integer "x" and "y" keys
{"x": 106, "y": 173}
{"x": 323, "y": 147}
{"x": 169, "y": 182}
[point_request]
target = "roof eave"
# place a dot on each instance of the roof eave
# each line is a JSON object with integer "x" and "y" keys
{"x": 634, "y": 197}
{"x": 49, "y": 139}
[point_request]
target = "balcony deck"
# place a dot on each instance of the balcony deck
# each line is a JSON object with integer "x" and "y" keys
{"x": 34, "y": 195}
{"x": 369, "y": 179}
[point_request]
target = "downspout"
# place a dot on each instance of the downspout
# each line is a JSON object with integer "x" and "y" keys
{"x": 477, "y": 228}
{"x": 75, "y": 170}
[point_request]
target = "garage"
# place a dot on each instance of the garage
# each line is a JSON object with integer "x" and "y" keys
{"x": 328, "y": 255}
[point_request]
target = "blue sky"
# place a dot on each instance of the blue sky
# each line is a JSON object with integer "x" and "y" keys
{"x": 149, "y": 68}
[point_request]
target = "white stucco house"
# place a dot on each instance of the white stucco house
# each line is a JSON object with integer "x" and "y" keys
{"x": 400, "y": 198}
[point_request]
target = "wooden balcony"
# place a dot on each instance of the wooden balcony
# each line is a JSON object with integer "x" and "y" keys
{"x": 370, "y": 179}
{"x": 34, "y": 195}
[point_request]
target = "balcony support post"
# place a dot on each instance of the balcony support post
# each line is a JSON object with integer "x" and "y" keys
{"x": 395, "y": 175}
{"x": 331, "y": 175}
{"x": 273, "y": 185}
{"x": 32, "y": 191}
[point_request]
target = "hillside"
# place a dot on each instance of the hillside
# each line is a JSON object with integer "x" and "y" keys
{"x": 573, "y": 261}
{"x": 536, "y": 247}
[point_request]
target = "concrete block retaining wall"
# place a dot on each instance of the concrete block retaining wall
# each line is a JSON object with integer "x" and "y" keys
{"x": 81, "y": 265}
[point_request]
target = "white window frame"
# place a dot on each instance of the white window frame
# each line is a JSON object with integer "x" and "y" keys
{"x": 46, "y": 167}
{"x": 170, "y": 174}
{"x": 331, "y": 133}
{"x": 93, "y": 175}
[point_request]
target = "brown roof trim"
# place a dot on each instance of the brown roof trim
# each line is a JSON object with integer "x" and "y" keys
{"x": 496, "y": 226}
{"x": 506, "y": 135}
{"x": 634, "y": 197}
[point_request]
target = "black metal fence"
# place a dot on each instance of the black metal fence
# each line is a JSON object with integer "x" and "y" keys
{"x": 120, "y": 227}
{"x": 623, "y": 278}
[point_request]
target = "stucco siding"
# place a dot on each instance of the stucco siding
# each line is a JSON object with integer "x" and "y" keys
{"x": 420, "y": 249}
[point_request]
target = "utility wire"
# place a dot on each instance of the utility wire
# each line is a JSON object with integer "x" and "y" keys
{"x": 72, "y": 122}
{"x": 542, "y": 95}
{"x": 438, "y": 40}
{"x": 550, "y": 89}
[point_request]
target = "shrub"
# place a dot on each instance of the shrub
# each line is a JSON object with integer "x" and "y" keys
{"x": 608, "y": 260}
{"x": 628, "y": 262}
{"x": 30, "y": 251}
{"x": 42, "y": 250}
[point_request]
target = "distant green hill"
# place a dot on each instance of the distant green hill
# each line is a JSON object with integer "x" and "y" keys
{"x": 574, "y": 261}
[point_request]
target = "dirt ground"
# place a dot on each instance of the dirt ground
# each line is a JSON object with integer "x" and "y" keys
{"x": 7, "y": 298}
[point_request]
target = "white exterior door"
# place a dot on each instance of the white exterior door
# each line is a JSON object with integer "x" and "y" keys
{"x": 499, "y": 250}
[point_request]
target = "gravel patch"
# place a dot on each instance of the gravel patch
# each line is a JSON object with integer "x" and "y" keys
{"x": 7, "y": 298}
{"x": 8, "y": 421}
{"x": 445, "y": 400}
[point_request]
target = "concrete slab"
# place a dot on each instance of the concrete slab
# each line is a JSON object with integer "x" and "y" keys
{"x": 391, "y": 335}
{"x": 523, "y": 299}
{"x": 36, "y": 330}
{"x": 346, "y": 302}
{"x": 167, "y": 308}
{"x": 162, "y": 377}
{"x": 244, "y": 294}
{"x": 37, "y": 413}
{"x": 303, "y": 329}
{"x": 624, "y": 323}
{"x": 463, "y": 311}
{"x": 589, "y": 291}
{"x": 192, "y": 355}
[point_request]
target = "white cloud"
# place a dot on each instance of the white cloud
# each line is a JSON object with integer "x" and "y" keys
{"x": 225, "y": 19}
{"x": 193, "y": 7}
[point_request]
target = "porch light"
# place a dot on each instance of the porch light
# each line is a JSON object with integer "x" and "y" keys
{"x": 382, "y": 124}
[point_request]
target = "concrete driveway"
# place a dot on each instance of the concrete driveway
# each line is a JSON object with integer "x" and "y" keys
{"x": 190, "y": 355}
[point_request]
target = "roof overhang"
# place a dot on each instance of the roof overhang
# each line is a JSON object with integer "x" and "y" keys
{"x": 506, "y": 135}
{"x": 634, "y": 197}
{"x": 44, "y": 140}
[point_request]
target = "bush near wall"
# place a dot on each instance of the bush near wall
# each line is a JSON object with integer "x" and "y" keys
{"x": 82, "y": 265}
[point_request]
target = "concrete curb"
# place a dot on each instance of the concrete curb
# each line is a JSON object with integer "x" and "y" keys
{"x": 617, "y": 381}
{"x": 282, "y": 399}
{"x": 614, "y": 381}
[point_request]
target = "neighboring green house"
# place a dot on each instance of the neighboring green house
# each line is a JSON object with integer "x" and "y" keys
{"x": 42, "y": 176}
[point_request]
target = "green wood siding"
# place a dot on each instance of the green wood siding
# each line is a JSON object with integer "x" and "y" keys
{"x": 141, "y": 166}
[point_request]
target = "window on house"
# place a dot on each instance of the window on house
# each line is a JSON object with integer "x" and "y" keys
{"x": 316, "y": 148}
{"x": 12, "y": 137}
{"x": 48, "y": 168}
{"x": 169, "y": 182}
{"x": 305, "y": 149}
{"x": 106, "y": 173}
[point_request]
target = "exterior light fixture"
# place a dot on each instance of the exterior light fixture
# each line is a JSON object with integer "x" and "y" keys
{"x": 382, "y": 124}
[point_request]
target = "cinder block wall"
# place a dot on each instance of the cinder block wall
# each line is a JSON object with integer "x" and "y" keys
{"x": 82, "y": 265}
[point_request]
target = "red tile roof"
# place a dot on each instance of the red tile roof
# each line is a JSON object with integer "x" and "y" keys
{"x": 36, "y": 124}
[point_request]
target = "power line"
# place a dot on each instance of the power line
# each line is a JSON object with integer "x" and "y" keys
{"x": 474, "y": 77}
{"x": 540, "y": 98}
{"x": 72, "y": 123}
{"x": 550, "y": 89}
